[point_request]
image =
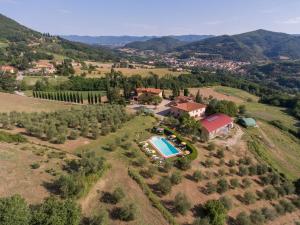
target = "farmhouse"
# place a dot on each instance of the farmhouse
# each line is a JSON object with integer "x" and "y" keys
{"x": 195, "y": 110}
{"x": 148, "y": 91}
{"x": 216, "y": 125}
{"x": 44, "y": 67}
{"x": 8, "y": 69}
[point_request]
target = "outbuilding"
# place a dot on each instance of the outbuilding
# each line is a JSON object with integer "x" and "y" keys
{"x": 247, "y": 122}
{"x": 216, "y": 125}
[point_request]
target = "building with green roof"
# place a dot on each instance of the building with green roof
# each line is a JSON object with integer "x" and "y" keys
{"x": 247, "y": 122}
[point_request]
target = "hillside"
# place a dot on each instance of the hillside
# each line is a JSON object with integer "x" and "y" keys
{"x": 163, "y": 44}
{"x": 119, "y": 41}
{"x": 256, "y": 45}
{"x": 35, "y": 45}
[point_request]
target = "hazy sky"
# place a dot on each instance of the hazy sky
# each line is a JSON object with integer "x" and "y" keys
{"x": 154, "y": 17}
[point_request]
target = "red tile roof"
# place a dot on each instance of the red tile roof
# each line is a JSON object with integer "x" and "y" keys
{"x": 148, "y": 90}
{"x": 216, "y": 121}
{"x": 189, "y": 106}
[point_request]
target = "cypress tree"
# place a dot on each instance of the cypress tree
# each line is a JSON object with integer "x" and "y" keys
{"x": 96, "y": 99}
{"x": 71, "y": 97}
{"x": 74, "y": 97}
{"x": 68, "y": 97}
{"x": 33, "y": 93}
{"x": 92, "y": 99}
{"x": 64, "y": 97}
{"x": 78, "y": 97}
{"x": 89, "y": 100}
{"x": 81, "y": 98}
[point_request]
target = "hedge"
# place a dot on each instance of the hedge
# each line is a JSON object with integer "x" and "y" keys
{"x": 189, "y": 146}
{"x": 151, "y": 196}
{"x": 12, "y": 138}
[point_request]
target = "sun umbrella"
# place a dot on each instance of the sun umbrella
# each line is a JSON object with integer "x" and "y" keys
{"x": 183, "y": 143}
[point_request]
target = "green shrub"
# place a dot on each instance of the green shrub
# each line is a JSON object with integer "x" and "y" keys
{"x": 181, "y": 203}
{"x": 164, "y": 185}
{"x": 243, "y": 219}
{"x": 222, "y": 186}
{"x": 176, "y": 177}
{"x": 216, "y": 212}
{"x": 197, "y": 176}
{"x": 35, "y": 166}
{"x": 249, "y": 198}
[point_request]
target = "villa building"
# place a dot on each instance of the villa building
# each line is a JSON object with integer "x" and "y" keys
{"x": 8, "y": 69}
{"x": 148, "y": 91}
{"x": 216, "y": 125}
{"x": 195, "y": 110}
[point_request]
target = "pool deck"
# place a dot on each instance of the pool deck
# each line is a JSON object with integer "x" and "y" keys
{"x": 158, "y": 151}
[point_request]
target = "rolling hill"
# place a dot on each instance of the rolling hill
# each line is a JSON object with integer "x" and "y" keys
{"x": 251, "y": 46}
{"x": 162, "y": 44}
{"x": 36, "y": 45}
{"x": 119, "y": 41}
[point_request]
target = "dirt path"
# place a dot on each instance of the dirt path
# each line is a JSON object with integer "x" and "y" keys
{"x": 118, "y": 176}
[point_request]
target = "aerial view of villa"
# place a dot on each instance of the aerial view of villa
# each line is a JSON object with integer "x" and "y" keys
{"x": 150, "y": 112}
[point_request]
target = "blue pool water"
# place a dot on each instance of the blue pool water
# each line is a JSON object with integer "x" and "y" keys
{"x": 164, "y": 146}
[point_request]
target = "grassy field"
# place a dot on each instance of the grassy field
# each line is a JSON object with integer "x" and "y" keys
{"x": 18, "y": 174}
{"x": 104, "y": 68}
{"x": 10, "y": 102}
{"x": 260, "y": 111}
{"x": 31, "y": 80}
{"x": 280, "y": 150}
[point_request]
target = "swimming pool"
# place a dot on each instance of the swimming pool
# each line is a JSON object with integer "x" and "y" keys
{"x": 164, "y": 146}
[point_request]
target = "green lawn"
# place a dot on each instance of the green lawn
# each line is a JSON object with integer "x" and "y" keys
{"x": 260, "y": 111}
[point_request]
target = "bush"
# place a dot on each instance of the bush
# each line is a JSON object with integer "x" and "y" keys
{"x": 246, "y": 182}
{"x": 243, "y": 171}
{"x": 270, "y": 193}
{"x": 183, "y": 163}
{"x": 69, "y": 186}
{"x": 176, "y": 178}
{"x": 149, "y": 173}
{"x": 211, "y": 146}
{"x": 73, "y": 135}
{"x": 164, "y": 185}
{"x": 227, "y": 202}
{"x": 234, "y": 183}
{"x": 127, "y": 212}
{"x": 216, "y": 212}
{"x": 118, "y": 194}
{"x": 269, "y": 213}
{"x": 101, "y": 219}
{"x": 243, "y": 219}
{"x": 181, "y": 203}
{"x": 197, "y": 176}
{"x": 257, "y": 217}
{"x": 210, "y": 188}
{"x": 222, "y": 186}
{"x": 231, "y": 163}
{"x": 14, "y": 211}
{"x": 296, "y": 202}
{"x": 208, "y": 163}
{"x": 220, "y": 154}
{"x": 35, "y": 166}
{"x": 249, "y": 198}
{"x": 287, "y": 206}
{"x": 265, "y": 180}
{"x": 166, "y": 167}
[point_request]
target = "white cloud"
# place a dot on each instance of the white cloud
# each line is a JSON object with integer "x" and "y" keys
{"x": 295, "y": 20}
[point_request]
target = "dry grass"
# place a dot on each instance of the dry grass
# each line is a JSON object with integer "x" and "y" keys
{"x": 11, "y": 102}
{"x": 18, "y": 177}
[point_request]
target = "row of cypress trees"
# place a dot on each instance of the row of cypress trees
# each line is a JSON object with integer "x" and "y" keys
{"x": 60, "y": 96}
{"x": 75, "y": 97}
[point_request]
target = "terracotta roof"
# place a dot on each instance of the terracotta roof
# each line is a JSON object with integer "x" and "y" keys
{"x": 189, "y": 106}
{"x": 6, "y": 68}
{"x": 148, "y": 90}
{"x": 216, "y": 121}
